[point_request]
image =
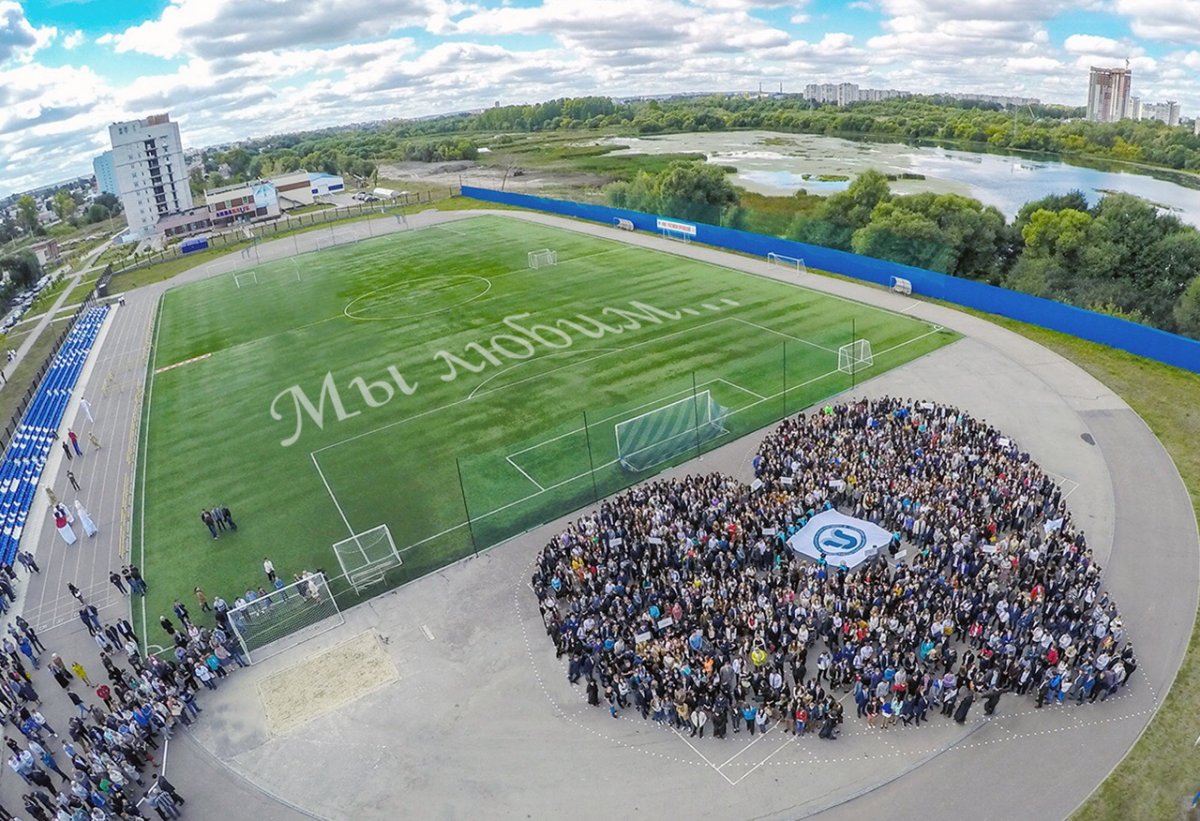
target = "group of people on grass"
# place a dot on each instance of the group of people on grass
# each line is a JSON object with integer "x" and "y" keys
{"x": 682, "y": 599}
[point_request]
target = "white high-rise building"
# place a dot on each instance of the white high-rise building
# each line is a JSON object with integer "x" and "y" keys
{"x": 152, "y": 176}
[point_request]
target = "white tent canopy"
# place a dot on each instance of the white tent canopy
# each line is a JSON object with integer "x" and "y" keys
{"x": 839, "y": 539}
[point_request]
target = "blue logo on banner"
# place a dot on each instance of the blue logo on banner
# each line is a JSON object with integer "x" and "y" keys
{"x": 840, "y": 540}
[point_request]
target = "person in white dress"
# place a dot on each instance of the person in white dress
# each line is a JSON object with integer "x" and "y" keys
{"x": 85, "y": 519}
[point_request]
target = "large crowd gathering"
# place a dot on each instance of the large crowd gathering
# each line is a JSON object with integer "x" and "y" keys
{"x": 103, "y": 757}
{"x": 682, "y": 600}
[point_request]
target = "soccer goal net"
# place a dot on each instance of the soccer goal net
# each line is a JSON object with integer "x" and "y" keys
{"x": 791, "y": 263}
{"x": 365, "y": 558}
{"x": 543, "y": 258}
{"x": 855, "y": 357}
{"x": 678, "y": 236}
{"x": 344, "y": 236}
{"x": 286, "y": 616}
{"x": 243, "y": 279}
{"x": 658, "y": 435}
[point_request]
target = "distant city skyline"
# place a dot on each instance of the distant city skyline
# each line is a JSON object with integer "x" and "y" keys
{"x": 69, "y": 68}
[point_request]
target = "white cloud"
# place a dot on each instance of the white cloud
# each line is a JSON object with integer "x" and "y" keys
{"x": 245, "y": 68}
{"x": 1091, "y": 44}
{"x": 218, "y": 28}
{"x": 1034, "y": 65}
{"x": 1172, "y": 20}
{"x": 19, "y": 39}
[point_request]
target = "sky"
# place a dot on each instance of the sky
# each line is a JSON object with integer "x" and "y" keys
{"x": 234, "y": 69}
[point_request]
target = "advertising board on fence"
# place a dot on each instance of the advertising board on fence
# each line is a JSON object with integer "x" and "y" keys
{"x": 675, "y": 227}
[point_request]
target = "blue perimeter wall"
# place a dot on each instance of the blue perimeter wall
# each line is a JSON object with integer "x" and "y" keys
{"x": 1107, "y": 330}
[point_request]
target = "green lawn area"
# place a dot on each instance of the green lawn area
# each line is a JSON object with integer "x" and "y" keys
{"x": 349, "y": 388}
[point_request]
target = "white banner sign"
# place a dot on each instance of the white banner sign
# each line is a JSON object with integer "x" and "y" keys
{"x": 677, "y": 227}
{"x": 839, "y": 539}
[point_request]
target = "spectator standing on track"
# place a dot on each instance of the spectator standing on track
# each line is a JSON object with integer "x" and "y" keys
{"x": 67, "y": 450}
{"x": 75, "y": 592}
{"x": 74, "y": 482}
{"x": 95, "y": 442}
{"x": 74, "y": 441}
{"x": 115, "y": 578}
{"x": 86, "y": 407}
{"x": 30, "y": 563}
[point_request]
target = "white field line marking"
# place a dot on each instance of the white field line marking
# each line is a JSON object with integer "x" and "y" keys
{"x": 916, "y": 303}
{"x": 184, "y": 362}
{"x": 609, "y": 463}
{"x": 356, "y": 318}
{"x": 761, "y": 736}
{"x": 523, "y": 473}
{"x": 147, "y": 404}
{"x": 541, "y": 358}
{"x": 778, "y": 750}
{"x": 738, "y": 387}
{"x": 715, "y": 768}
{"x": 1064, "y": 481}
{"x": 781, "y": 333}
{"x": 329, "y": 490}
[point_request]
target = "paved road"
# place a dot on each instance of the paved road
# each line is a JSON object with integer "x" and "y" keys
{"x": 474, "y": 702}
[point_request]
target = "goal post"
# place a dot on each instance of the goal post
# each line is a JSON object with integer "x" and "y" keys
{"x": 543, "y": 258}
{"x": 245, "y": 278}
{"x": 783, "y": 261}
{"x": 855, "y": 357}
{"x": 365, "y": 558}
{"x": 295, "y": 612}
{"x": 658, "y": 435}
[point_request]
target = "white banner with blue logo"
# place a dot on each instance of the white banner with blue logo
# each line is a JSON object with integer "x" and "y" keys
{"x": 839, "y": 539}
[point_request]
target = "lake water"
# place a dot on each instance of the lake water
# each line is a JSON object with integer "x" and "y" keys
{"x": 771, "y": 163}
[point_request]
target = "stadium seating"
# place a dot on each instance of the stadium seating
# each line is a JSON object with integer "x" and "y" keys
{"x": 32, "y": 443}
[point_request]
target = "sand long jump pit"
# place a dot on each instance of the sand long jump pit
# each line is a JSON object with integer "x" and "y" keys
{"x": 322, "y": 683}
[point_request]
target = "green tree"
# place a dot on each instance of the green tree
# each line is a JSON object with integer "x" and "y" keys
{"x": 834, "y": 223}
{"x": 64, "y": 205}
{"x": 110, "y": 201}
{"x": 1187, "y": 310}
{"x": 27, "y": 214}
{"x": 23, "y": 268}
{"x": 695, "y": 191}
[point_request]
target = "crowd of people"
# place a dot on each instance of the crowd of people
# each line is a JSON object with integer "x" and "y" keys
{"x": 682, "y": 599}
{"x": 117, "y": 723}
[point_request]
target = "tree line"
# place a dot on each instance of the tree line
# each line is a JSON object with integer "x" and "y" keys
{"x": 1121, "y": 256}
{"x": 1046, "y": 128}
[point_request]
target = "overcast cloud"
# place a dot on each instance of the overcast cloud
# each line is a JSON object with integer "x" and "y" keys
{"x": 233, "y": 69}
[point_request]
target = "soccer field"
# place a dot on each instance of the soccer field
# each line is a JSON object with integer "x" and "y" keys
{"x": 381, "y": 382}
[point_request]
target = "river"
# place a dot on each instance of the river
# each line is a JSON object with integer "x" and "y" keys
{"x": 771, "y": 163}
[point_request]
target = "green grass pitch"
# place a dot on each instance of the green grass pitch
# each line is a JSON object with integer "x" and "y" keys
{"x": 349, "y": 388}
